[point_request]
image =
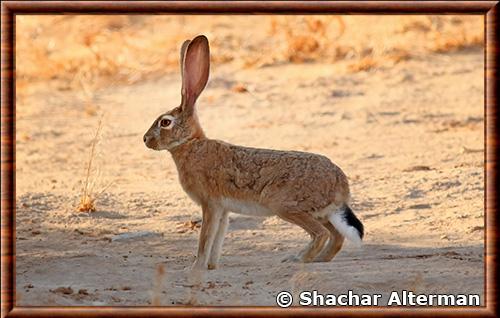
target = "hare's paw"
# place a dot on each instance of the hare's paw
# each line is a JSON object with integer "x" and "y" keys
{"x": 321, "y": 260}
{"x": 212, "y": 266}
{"x": 291, "y": 259}
{"x": 197, "y": 267}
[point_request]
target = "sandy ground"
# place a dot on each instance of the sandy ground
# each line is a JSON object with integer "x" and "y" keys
{"x": 410, "y": 138}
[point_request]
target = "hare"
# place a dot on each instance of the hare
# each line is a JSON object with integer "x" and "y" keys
{"x": 302, "y": 188}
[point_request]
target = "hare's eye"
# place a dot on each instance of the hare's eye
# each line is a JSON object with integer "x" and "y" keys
{"x": 165, "y": 123}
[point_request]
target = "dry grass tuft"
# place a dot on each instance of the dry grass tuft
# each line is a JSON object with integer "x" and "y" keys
{"x": 398, "y": 55}
{"x": 91, "y": 110}
{"x": 239, "y": 88}
{"x": 89, "y": 196}
{"x": 301, "y": 48}
{"x": 365, "y": 64}
{"x": 307, "y": 38}
{"x": 454, "y": 42}
{"x": 86, "y": 204}
{"x": 416, "y": 26}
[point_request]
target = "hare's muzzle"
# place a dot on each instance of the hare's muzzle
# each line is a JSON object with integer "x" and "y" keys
{"x": 149, "y": 141}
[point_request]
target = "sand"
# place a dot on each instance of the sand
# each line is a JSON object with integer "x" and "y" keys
{"x": 409, "y": 136}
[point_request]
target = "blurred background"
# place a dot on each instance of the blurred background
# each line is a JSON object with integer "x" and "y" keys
{"x": 89, "y": 52}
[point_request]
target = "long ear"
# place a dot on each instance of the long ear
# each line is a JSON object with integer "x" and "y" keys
{"x": 195, "y": 69}
{"x": 183, "y": 53}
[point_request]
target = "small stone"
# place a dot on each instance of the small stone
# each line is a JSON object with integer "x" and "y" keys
{"x": 417, "y": 168}
{"x": 476, "y": 228}
{"x": 116, "y": 299}
{"x": 239, "y": 88}
{"x": 63, "y": 290}
{"x": 420, "y": 206}
{"x": 133, "y": 235}
{"x": 83, "y": 292}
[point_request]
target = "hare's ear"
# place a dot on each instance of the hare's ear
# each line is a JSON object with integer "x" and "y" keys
{"x": 195, "y": 68}
{"x": 183, "y": 53}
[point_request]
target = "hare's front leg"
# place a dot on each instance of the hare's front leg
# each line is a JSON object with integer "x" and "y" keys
{"x": 213, "y": 261}
{"x": 210, "y": 223}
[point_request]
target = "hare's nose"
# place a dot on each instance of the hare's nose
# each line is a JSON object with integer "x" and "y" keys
{"x": 145, "y": 139}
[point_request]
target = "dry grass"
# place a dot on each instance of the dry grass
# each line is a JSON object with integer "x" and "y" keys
{"x": 455, "y": 42}
{"x": 89, "y": 196}
{"x": 399, "y": 55}
{"x": 363, "y": 65}
{"x": 416, "y": 26}
{"x": 102, "y": 51}
{"x": 307, "y": 38}
{"x": 446, "y": 34}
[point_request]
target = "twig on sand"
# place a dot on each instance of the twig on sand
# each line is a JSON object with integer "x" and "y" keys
{"x": 470, "y": 150}
{"x": 157, "y": 286}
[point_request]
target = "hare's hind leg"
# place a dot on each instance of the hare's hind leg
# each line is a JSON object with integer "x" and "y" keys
{"x": 213, "y": 261}
{"x": 334, "y": 245}
{"x": 319, "y": 235}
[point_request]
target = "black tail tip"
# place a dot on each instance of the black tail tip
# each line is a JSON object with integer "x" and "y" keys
{"x": 353, "y": 221}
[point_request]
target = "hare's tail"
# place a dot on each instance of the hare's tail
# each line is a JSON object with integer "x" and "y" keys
{"x": 347, "y": 224}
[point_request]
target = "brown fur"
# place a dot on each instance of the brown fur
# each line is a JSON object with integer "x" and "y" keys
{"x": 334, "y": 245}
{"x": 283, "y": 181}
{"x": 298, "y": 187}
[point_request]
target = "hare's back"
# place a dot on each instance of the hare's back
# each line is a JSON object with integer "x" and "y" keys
{"x": 294, "y": 180}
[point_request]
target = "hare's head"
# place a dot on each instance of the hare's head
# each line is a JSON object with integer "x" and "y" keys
{"x": 180, "y": 124}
